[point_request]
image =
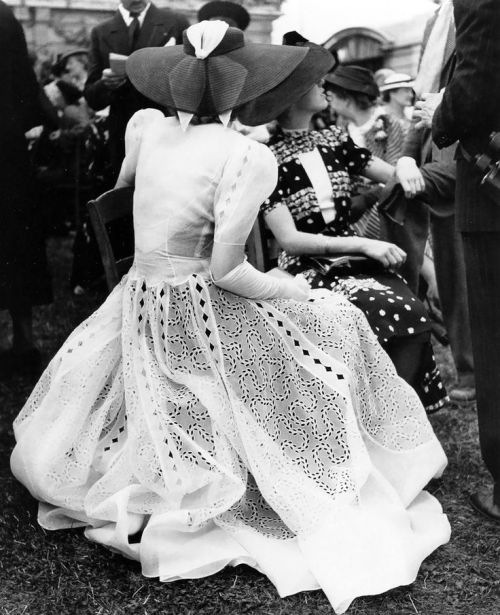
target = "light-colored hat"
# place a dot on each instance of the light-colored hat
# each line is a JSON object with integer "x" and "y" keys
{"x": 395, "y": 81}
{"x": 215, "y": 72}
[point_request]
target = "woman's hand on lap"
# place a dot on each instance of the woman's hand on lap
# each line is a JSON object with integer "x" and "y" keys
{"x": 388, "y": 254}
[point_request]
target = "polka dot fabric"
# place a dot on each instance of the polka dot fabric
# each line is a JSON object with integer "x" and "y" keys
{"x": 389, "y": 305}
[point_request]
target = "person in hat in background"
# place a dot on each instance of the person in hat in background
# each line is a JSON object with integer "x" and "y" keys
{"x": 232, "y": 13}
{"x": 57, "y": 150}
{"x": 136, "y": 24}
{"x": 381, "y": 75}
{"x": 207, "y": 414}
{"x": 354, "y": 96}
{"x": 398, "y": 97}
{"x": 65, "y": 92}
{"x": 24, "y": 277}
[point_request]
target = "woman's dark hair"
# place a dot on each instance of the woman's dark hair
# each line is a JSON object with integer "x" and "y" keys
{"x": 362, "y": 101}
{"x": 201, "y": 119}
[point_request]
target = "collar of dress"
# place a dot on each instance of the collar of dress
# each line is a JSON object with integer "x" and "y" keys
{"x": 301, "y": 140}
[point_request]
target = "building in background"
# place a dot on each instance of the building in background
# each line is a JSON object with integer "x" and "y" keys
{"x": 371, "y": 33}
{"x": 53, "y": 26}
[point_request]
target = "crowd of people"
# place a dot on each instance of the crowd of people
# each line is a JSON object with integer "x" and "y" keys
{"x": 208, "y": 413}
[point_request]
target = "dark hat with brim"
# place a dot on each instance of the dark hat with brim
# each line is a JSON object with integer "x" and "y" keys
{"x": 355, "y": 79}
{"x": 234, "y": 74}
{"x": 225, "y": 10}
{"x": 60, "y": 63}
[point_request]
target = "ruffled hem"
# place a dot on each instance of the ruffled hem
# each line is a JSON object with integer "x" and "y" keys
{"x": 365, "y": 549}
{"x": 227, "y": 431}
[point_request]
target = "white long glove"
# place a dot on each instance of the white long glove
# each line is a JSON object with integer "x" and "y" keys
{"x": 246, "y": 281}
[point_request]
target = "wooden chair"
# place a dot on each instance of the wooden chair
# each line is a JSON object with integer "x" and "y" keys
{"x": 110, "y": 207}
{"x": 262, "y": 249}
{"x": 118, "y": 204}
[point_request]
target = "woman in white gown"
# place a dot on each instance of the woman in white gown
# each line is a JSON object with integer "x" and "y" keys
{"x": 207, "y": 414}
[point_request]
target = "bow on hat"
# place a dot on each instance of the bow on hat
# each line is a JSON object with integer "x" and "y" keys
{"x": 205, "y": 38}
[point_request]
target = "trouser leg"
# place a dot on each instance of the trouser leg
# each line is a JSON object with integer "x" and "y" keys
{"x": 482, "y": 261}
{"x": 452, "y": 286}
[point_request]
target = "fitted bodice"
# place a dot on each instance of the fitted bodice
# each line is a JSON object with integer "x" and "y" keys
{"x": 191, "y": 188}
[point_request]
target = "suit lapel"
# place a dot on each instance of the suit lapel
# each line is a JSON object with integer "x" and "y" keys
{"x": 117, "y": 35}
{"x": 154, "y": 31}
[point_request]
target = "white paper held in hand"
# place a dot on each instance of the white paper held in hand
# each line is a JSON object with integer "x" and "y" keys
{"x": 117, "y": 63}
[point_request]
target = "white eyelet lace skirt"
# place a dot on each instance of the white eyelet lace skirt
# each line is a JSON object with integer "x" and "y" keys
{"x": 214, "y": 430}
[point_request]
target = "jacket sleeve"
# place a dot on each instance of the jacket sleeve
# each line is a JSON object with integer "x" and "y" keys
{"x": 182, "y": 24}
{"x": 470, "y": 102}
{"x": 96, "y": 93}
{"x": 412, "y": 146}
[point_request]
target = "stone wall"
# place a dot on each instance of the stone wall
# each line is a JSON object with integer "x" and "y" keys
{"x": 52, "y": 26}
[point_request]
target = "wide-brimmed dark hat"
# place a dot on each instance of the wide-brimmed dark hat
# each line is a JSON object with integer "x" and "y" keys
{"x": 221, "y": 9}
{"x": 231, "y": 76}
{"x": 355, "y": 79}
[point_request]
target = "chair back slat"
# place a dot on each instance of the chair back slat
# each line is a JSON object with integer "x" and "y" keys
{"x": 111, "y": 206}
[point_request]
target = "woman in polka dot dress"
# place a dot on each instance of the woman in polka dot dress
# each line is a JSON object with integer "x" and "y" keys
{"x": 309, "y": 214}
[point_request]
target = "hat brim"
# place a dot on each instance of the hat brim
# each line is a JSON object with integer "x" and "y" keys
{"x": 266, "y": 66}
{"x": 345, "y": 83}
{"x": 396, "y": 86}
{"x": 271, "y": 104}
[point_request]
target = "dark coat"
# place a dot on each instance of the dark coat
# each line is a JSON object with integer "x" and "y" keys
{"x": 470, "y": 109}
{"x": 159, "y": 26}
{"x": 23, "y": 272}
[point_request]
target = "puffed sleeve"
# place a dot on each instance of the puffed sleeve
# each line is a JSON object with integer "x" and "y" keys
{"x": 133, "y": 137}
{"x": 248, "y": 178}
{"x": 355, "y": 158}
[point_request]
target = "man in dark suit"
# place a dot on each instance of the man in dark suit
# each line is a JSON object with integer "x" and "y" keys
{"x": 438, "y": 169}
{"x": 24, "y": 278}
{"x": 470, "y": 112}
{"x": 136, "y": 24}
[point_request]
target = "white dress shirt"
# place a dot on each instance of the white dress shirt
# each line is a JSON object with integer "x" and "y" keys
{"x": 127, "y": 18}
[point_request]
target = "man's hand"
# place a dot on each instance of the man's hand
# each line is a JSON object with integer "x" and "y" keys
{"x": 425, "y": 109}
{"x": 409, "y": 176}
{"x": 111, "y": 80}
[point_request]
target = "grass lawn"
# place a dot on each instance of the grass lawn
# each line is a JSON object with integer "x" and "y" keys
{"x": 52, "y": 573}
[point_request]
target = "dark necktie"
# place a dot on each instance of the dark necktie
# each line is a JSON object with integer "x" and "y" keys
{"x": 134, "y": 30}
